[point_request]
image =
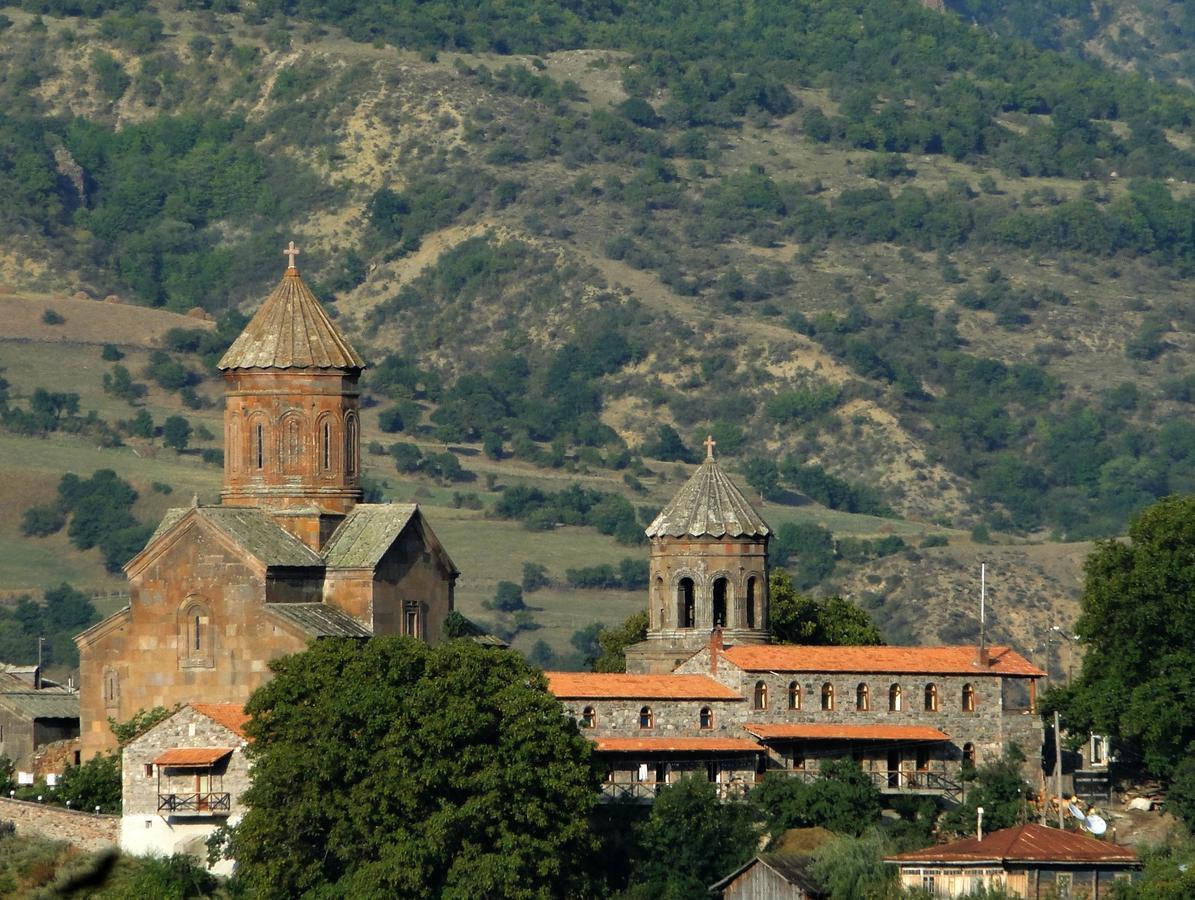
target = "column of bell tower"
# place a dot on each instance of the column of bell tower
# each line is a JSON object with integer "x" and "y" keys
{"x": 291, "y": 415}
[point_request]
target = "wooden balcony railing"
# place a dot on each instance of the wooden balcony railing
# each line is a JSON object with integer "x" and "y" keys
{"x": 888, "y": 782}
{"x": 198, "y": 804}
{"x": 645, "y": 791}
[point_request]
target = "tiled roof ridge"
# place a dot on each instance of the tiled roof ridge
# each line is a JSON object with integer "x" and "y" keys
{"x": 709, "y": 503}
{"x": 290, "y": 330}
{"x": 622, "y": 685}
{"x": 230, "y": 715}
{"x": 1029, "y": 841}
{"x": 911, "y": 660}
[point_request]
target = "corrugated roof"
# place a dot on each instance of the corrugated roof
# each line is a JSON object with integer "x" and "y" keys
{"x": 367, "y": 532}
{"x": 709, "y": 504}
{"x": 878, "y": 660}
{"x": 320, "y": 619}
{"x": 44, "y": 704}
{"x": 291, "y": 330}
{"x": 231, "y": 715}
{"x": 676, "y": 745}
{"x": 767, "y": 731}
{"x": 1024, "y": 843}
{"x": 192, "y": 757}
{"x": 595, "y": 685}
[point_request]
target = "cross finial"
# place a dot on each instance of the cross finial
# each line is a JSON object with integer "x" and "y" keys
{"x": 710, "y": 444}
{"x": 291, "y": 251}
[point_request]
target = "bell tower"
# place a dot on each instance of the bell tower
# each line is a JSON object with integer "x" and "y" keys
{"x": 709, "y": 571}
{"x": 291, "y": 422}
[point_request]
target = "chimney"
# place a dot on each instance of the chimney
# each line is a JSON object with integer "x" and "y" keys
{"x": 983, "y": 660}
{"x": 715, "y": 648}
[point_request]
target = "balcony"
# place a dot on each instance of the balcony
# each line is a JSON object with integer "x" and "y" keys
{"x": 934, "y": 784}
{"x": 195, "y": 804}
{"x": 645, "y": 791}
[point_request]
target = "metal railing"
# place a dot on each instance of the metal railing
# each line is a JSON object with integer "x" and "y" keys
{"x": 645, "y": 791}
{"x": 195, "y": 803}
{"x": 896, "y": 781}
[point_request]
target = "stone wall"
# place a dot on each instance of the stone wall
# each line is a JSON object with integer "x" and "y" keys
{"x": 85, "y": 830}
{"x": 671, "y": 718}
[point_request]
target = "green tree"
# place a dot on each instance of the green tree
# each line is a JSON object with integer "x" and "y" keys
{"x": 613, "y": 642}
{"x": 508, "y": 597}
{"x": 763, "y": 475}
{"x": 176, "y": 433}
{"x": 391, "y": 768}
{"x": 999, "y": 788}
{"x": 842, "y": 799}
{"x": 690, "y": 840}
{"x": 1138, "y": 677}
{"x": 799, "y": 619}
{"x": 535, "y": 577}
{"x": 96, "y": 782}
{"x": 40, "y": 521}
{"x": 853, "y": 867}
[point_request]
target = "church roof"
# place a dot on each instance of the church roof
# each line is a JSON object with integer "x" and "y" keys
{"x": 291, "y": 330}
{"x": 367, "y": 533}
{"x": 709, "y": 504}
{"x": 320, "y": 619}
{"x": 252, "y": 529}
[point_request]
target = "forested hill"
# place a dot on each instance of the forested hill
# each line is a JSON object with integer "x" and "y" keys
{"x": 895, "y": 263}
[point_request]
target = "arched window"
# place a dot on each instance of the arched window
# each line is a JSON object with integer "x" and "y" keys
{"x": 863, "y": 698}
{"x": 968, "y": 698}
{"x": 720, "y": 602}
{"x": 658, "y": 597}
{"x": 761, "y": 695}
{"x": 292, "y": 444}
{"x": 751, "y": 602}
{"x": 931, "y": 698}
{"x": 351, "y": 444}
{"x": 794, "y": 695}
{"x": 686, "y": 604}
{"x": 894, "y": 698}
{"x": 326, "y": 445}
{"x": 257, "y": 449}
{"x": 647, "y": 718}
{"x": 195, "y": 635}
{"x": 707, "y": 717}
{"x": 589, "y": 717}
{"x": 969, "y": 755}
{"x": 827, "y": 696}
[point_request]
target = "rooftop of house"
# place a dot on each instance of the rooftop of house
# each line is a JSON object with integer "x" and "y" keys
{"x": 709, "y": 504}
{"x": 231, "y": 715}
{"x": 879, "y": 660}
{"x": 1023, "y": 843}
{"x": 677, "y": 745}
{"x": 291, "y": 330}
{"x": 597, "y": 686}
{"x": 790, "y": 868}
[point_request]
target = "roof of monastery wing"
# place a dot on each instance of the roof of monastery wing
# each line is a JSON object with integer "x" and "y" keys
{"x": 369, "y": 530}
{"x": 291, "y": 331}
{"x": 1024, "y": 843}
{"x": 251, "y": 529}
{"x": 585, "y": 685}
{"x": 709, "y": 504}
{"x": 880, "y": 660}
{"x": 320, "y": 619}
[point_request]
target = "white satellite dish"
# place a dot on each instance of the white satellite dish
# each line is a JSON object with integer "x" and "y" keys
{"x": 1095, "y": 824}
{"x": 1075, "y": 811}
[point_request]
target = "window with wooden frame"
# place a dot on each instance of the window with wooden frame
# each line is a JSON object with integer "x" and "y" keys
{"x": 895, "y": 698}
{"x": 706, "y": 718}
{"x": 794, "y": 695}
{"x": 827, "y": 696}
{"x": 589, "y": 717}
{"x": 968, "y": 700}
{"x": 931, "y": 698}
{"x": 647, "y": 719}
{"x": 761, "y": 695}
{"x": 863, "y": 697}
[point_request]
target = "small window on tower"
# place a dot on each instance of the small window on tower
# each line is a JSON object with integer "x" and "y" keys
{"x": 327, "y": 444}
{"x": 259, "y": 446}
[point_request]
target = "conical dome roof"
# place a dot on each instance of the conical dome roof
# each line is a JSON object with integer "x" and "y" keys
{"x": 291, "y": 331}
{"x": 709, "y": 504}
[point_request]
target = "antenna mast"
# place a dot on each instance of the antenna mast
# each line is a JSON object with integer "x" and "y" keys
{"x": 983, "y": 590}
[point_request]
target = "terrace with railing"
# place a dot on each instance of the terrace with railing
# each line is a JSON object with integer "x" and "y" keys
{"x": 214, "y": 804}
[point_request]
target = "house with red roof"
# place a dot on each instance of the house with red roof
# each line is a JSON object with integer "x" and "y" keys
{"x": 1031, "y": 861}
{"x": 182, "y": 779}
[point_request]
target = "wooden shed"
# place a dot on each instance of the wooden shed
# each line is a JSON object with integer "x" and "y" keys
{"x": 770, "y": 876}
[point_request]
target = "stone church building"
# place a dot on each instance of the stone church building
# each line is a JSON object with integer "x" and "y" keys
{"x": 707, "y": 693}
{"x": 289, "y": 554}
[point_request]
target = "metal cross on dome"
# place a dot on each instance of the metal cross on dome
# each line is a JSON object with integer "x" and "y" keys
{"x": 710, "y": 444}
{"x": 291, "y": 251}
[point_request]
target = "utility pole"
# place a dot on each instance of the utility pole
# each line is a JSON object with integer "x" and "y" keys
{"x": 1058, "y": 765}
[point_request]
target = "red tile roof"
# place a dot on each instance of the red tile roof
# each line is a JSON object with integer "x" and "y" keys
{"x": 187, "y": 757}
{"x": 1024, "y": 843}
{"x": 231, "y": 715}
{"x": 677, "y": 745}
{"x": 594, "y": 685}
{"x": 879, "y": 660}
{"x": 848, "y": 732}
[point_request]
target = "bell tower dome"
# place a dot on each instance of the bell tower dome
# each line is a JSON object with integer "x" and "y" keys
{"x": 291, "y": 421}
{"x": 709, "y": 571}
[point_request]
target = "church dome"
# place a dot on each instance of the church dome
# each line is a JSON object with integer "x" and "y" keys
{"x": 710, "y": 505}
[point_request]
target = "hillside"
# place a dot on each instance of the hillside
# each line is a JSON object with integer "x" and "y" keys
{"x": 946, "y": 288}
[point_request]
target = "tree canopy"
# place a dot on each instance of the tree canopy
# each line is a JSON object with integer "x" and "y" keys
{"x": 1138, "y": 676}
{"x": 392, "y": 768}
{"x": 800, "y": 619}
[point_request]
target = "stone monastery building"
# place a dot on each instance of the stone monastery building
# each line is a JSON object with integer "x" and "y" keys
{"x": 289, "y": 554}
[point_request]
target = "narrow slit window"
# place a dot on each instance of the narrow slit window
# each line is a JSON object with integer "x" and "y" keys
{"x": 259, "y": 446}
{"x": 327, "y": 445}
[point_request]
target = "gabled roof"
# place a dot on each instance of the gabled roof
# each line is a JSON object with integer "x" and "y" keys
{"x": 251, "y": 529}
{"x": 676, "y": 745}
{"x": 1024, "y": 843}
{"x": 320, "y": 619}
{"x": 291, "y": 331}
{"x": 596, "y": 685}
{"x": 788, "y": 867}
{"x": 879, "y": 660}
{"x": 767, "y": 731}
{"x": 369, "y": 530}
{"x": 709, "y": 504}
{"x": 231, "y": 715}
